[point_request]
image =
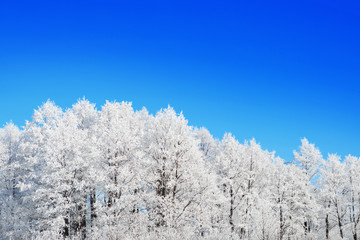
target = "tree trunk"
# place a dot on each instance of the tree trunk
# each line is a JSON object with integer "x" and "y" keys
{"x": 161, "y": 191}
{"x": 83, "y": 220}
{"x": 92, "y": 207}
{"x": 231, "y": 210}
{"x": 327, "y": 227}
{"x": 282, "y": 230}
{"x": 340, "y": 225}
{"x": 66, "y": 228}
{"x": 83, "y": 227}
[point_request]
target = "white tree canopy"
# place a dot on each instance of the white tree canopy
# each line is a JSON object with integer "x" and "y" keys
{"x": 118, "y": 173}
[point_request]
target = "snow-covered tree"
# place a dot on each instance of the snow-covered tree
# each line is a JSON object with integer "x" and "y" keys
{"x": 293, "y": 201}
{"x": 119, "y": 135}
{"x": 309, "y": 160}
{"x": 208, "y": 145}
{"x": 12, "y": 220}
{"x": 62, "y": 163}
{"x": 334, "y": 190}
{"x": 118, "y": 173}
{"x": 178, "y": 184}
{"x": 244, "y": 170}
{"x": 352, "y": 171}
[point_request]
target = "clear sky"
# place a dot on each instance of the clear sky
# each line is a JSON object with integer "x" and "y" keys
{"x": 274, "y": 70}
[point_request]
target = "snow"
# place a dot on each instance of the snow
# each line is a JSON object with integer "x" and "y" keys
{"x": 117, "y": 173}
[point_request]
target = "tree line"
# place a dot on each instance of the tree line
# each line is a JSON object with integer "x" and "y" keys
{"x": 116, "y": 173}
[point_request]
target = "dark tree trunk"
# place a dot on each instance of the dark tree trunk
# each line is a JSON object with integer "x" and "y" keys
{"x": 340, "y": 227}
{"x": 110, "y": 199}
{"x": 282, "y": 230}
{"x": 83, "y": 221}
{"x": 231, "y": 210}
{"x": 66, "y": 228}
{"x": 161, "y": 191}
{"x": 92, "y": 207}
{"x": 83, "y": 227}
{"x": 327, "y": 227}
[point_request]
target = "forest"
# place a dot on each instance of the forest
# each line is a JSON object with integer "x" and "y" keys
{"x": 117, "y": 173}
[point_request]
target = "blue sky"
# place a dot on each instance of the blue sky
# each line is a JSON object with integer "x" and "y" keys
{"x": 274, "y": 70}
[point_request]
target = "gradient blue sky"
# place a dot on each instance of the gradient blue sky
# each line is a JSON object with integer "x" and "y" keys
{"x": 274, "y": 70}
